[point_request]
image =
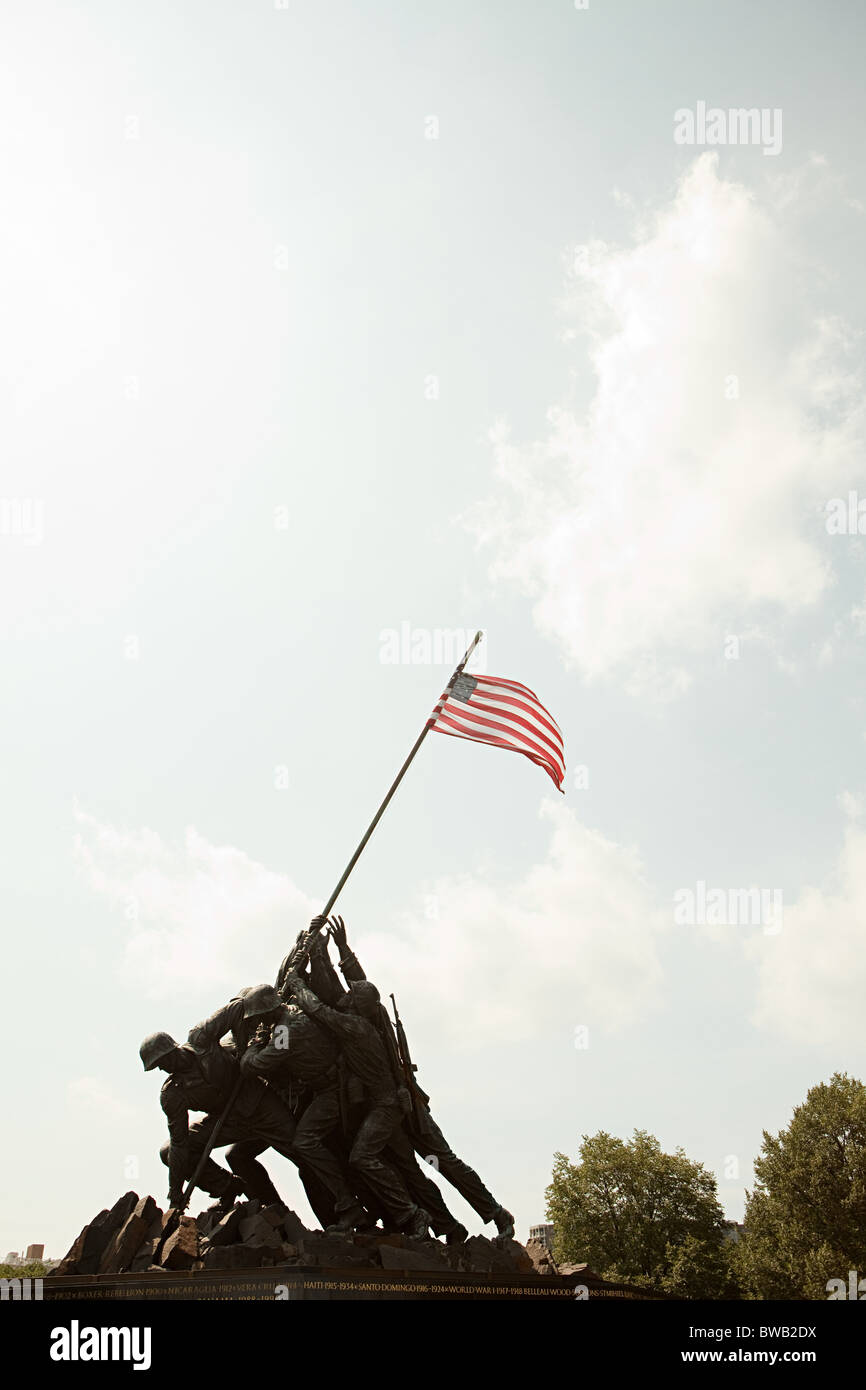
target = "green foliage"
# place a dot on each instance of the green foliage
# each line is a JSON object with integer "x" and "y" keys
{"x": 701, "y": 1269}
{"x": 642, "y": 1216}
{"x": 34, "y": 1269}
{"x": 806, "y": 1217}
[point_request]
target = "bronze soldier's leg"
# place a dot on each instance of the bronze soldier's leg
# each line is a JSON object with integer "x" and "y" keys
{"x": 421, "y": 1188}
{"x": 270, "y": 1126}
{"x": 376, "y": 1129}
{"x": 430, "y": 1142}
{"x": 246, "y": 1144}
{"x": 256, "y": 1179}
{"x": 242, "y": 1157}
{"x": 213, "y": 1179}
{"x": 321, "y": 1116}
{"x": 339, "y": 1142}
{"x": 273, "y": 1124}
{"x": 320, "y": 1198}
{"x": 319, "y": 1195}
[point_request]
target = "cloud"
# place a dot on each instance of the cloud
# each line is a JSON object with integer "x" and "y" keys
{"x": 690, "y": 495}
{"x": 92, "y": 1094}
{"x": 490, "y": 956}
{"x": 190, "y": 911}
{"x": 812, "y": 976}
{"x": 852, "y": 805}
{"x": 573, "y": 939}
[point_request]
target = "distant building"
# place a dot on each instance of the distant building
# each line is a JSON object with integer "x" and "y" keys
{"x": 543, "y": 1233}
{"x": 33, "y": 1252}
{"x": 733, "y": 1231}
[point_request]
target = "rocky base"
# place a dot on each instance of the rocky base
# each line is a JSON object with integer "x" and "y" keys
{"x": 130, "y": 1238}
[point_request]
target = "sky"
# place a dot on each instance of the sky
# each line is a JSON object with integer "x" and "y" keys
{"x": 331, "y": 334}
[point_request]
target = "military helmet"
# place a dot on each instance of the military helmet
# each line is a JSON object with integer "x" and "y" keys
{"x": 260, "y": 999}
{"x": 365, "y": 996}
{"x": 154, "y": 1048}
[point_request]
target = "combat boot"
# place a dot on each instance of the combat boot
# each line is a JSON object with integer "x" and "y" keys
{"x": 457, "y": 1235}
{"x": 234, "y": 1190}
{"x": 504, "y": 1222}
{"x": 418, "y": 1226}
{"x": 347, "y": 1221}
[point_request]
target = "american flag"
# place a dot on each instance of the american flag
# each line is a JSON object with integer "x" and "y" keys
{"x": 489, "y": 709}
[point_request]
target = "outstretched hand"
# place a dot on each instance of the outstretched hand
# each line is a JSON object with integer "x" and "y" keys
{"x": 337, "y": 932}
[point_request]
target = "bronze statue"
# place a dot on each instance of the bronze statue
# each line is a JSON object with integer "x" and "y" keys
{"x": 204, "y": 1079}
{"x": 358, "y": 1038}
{"x": 317, "y": 1072}
{"x": 427, "y": 1138}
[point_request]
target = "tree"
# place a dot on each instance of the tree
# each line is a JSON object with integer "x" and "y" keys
{"x": 642, "y": 1216}
{"x": 806, "y": 1217}
{"x": 33, "y": 1269}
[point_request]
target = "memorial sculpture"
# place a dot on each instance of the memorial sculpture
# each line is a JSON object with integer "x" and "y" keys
{"x": 316, "y": 1070}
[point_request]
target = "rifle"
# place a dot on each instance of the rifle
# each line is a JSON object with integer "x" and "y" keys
{"x": 408, "y": 1067}
{"x": 173, "y": 1215}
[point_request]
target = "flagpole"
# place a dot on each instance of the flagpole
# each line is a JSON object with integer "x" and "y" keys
{"x": 395, "y": 784}
{"x": 300, "y": 950}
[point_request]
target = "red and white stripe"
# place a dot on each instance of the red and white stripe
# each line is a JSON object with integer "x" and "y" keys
{"x": 490, "y": 709}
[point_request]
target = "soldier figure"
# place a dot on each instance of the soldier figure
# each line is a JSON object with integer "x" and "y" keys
{"x": 427, "y": 1138}
{"x": 400, "y": 1151}
{"x": 204, "y": 1080}
{"x": 356, "y": 1034}
{"x": 342, "y": 1103}
{"x": 302, "y": 1057}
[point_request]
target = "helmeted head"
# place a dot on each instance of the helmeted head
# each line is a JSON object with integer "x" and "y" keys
{"x": 156, "y": 1048}
{"x": 364, "y": 998}
{"x": 260, "y": 999}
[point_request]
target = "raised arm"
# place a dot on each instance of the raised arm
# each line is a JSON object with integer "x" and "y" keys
{"x": 354, "y": 971}
{"x": 228, "y": 1019}
{"x": 322, "y": 979}
{"x": 299, "y": 953}
{"x": 342, "y": 1024}
{"x": 349, "y": 963}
